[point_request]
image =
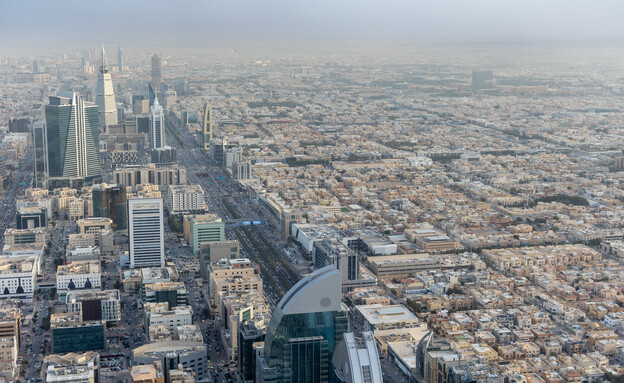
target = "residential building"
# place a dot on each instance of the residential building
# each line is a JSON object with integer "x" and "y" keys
{"x": 186, "y": 199}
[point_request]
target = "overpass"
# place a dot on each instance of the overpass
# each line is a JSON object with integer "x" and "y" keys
{"x": 246, "y": 222}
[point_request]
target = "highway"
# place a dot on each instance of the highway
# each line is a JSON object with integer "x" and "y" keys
{"x": 228, "y": 200}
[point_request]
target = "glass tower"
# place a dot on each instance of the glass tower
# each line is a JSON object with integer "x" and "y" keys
{"x": 73, "y": 141}
{"x": 304, "y": 330}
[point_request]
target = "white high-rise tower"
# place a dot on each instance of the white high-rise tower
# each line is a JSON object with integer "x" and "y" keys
{"x": 157, "y": 126}
{"x": 146, "y": 232}
{"x": 105, "y": 95}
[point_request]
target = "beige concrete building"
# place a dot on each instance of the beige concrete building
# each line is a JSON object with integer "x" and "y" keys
{"x": 94, "y": 225}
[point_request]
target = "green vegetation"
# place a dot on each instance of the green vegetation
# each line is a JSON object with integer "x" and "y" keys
{"x": 444, "y": 157}
{"x": 294, "y": 162}
{"x": 563, "y": 198}
{"x": 230, "y": 208}
{"x": 454, "y": 290}
{"x": 45, "y": 322}
{"x": 414, "y": 306}
{"x": 175, "y": 224}
{"x": 272, "y": 104}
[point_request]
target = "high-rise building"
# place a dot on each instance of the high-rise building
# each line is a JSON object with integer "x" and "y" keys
{"x": 73, "y": 141}
{"x": 156, "y": 71}
{"x": 207, "y": 132}
{"x": 304, "y": 330}
{"x": 357, "y": 359}
{"x": 146, "y": 232}
{"x": 105, "y": 95}
{"x": 482, "y": 79}
{"x": 157, "y": 126}
{"x": 40, "y": 161}
{"x": 120, "y": 59}
{"x": 110, "y": 201}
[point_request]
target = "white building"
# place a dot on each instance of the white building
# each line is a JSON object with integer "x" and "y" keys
{"x": 159, "y": 314}
{"x": 81, "y": 301}
{"x": 73, "y": 368}
{"x": 90, "y": 253}
{"x": 146, "y": 232}
{"x": 186, "y": 199}
{"x": 18, "y": 277}
{"x": 105, "y": 95}
{"x": 357, "y": 359}
{"x": 79, "y": 275}
{"x": 157, "y": 126}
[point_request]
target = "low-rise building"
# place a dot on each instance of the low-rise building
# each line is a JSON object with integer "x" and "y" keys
{"x": 190, "y": 355}
{"x": 73, "y": 368}
{"x": 173, "y": 293}
{"x": 71, "y": 334}
{"x": 378, "y": 317}
{"x": 78, "y": 275}
{"x": 95, "y": 305}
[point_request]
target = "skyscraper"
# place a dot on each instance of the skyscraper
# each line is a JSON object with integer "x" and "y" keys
{"x": 357, "y": 359}
{"x": 304, "y": 330}
{"x": 72, "y": 141}
{"x": 156, "y": 72}
{"x": 120, "y": 59}
{"x": 146, "y": 232}
{"x": 482, "y": 80}
{"x": 110, "y": 201}
{"x": 105, "y": 95}
{"x": 157, "y": 126}
{"x": 207, "y": 132}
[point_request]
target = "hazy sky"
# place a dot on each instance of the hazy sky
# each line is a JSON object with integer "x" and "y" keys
{"x": 157, "y": 21}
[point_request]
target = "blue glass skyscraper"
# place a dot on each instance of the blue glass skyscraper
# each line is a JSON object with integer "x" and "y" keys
{"x": 304, "y": 330}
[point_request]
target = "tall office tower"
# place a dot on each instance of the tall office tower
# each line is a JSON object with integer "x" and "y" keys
{"x": 105, "y": 95}
{"x": 156, "y": 72}
{"x": 151, "y": 96}
{"x": 357, "y": 359}
{"x": 120, "y": 59}
{"x": 35, "y": 66}
{"x": 207, "y": 126}
{"x": 481, "y": 80}
{"x": 72, "y": 141}
{"x": 303, "y": 332}
{"x": 157, "y": 126}
{"x": 40, "y": 163}
{"x": 146, "y": 232}
{"x": 109, "y": 201}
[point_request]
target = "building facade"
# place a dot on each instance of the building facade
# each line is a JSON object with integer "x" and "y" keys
{"x": 146, "y": 232}
{"x": 105, "y": 95}
{"x": 73, "y": 143}
{"x": 304, "y": 330}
